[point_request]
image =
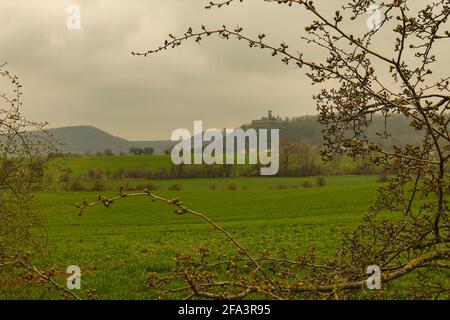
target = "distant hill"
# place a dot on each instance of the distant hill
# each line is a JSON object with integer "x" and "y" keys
{"x": 307, "y": 128}
{"x": 80, "y": 139}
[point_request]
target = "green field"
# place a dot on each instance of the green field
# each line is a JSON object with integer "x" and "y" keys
{"x": 81, "y": 165}
{"x": 117, "y": 247}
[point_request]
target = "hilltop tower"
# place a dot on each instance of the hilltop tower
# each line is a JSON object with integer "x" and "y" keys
{"x": 267, "y": 121}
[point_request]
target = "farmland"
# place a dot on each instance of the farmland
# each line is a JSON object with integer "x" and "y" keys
{"x": 81, "y": 165}
{"x": 117, "y": 247}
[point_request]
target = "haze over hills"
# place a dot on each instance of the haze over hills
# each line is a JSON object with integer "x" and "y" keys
{"x": 80, "y": 139}
{"x": 395, "y": 130}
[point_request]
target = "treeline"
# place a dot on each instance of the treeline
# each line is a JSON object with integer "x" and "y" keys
{"x": 297, "y": 159}
{"x": 134, "y": 151}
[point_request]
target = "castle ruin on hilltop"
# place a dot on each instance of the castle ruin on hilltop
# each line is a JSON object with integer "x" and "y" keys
{"x": 269, "y": 120}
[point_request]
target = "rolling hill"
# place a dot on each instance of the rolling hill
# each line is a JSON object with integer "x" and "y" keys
{"x": 394, "y": 131}
{"x": 80, "y": 139}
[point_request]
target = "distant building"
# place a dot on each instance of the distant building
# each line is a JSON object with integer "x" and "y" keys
{"x": 269, "y": 120}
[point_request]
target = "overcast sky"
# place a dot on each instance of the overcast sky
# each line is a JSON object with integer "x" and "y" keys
{"x": 89, "y": 77}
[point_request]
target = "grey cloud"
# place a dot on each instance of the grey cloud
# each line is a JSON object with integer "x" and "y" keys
{"x": 89, "y": 76}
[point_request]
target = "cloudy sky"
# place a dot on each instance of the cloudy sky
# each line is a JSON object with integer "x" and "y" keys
{"x": 89, "y": 77}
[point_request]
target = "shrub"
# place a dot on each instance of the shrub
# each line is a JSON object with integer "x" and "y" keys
{"x": 135, "y": 173}
{"x": 65, "y": 176}
{"x": 108, "y": 174}
{"x": 75, "y": 185}
{"x": 98, "y": 185}
{"x": 233, "y": 186}
{"x": 307, "y": 184}
{"x": 175, "y": 187}
{"x": 96, "y": 174}
{"x": 320, "y": 181}
{"x": 119, "y": 174}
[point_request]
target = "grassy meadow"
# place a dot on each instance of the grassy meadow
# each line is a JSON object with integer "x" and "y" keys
{"x": 81, "y": 165}
{"x": 117, "y": 247}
